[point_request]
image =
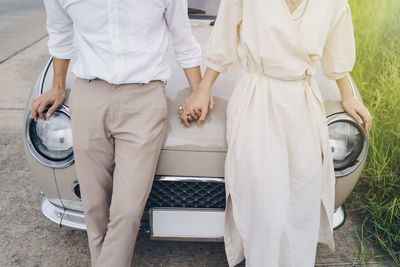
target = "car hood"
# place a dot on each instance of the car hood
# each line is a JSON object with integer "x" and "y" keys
{"x": 209, "y": 136}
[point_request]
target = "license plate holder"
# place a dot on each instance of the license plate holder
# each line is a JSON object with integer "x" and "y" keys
{"x": 185, "y": 224}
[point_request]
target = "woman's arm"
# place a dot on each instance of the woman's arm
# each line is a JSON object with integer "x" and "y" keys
{"x": 353, "y": 106}
{"x": 210, "y": 76}
{"x": 338, "y": 60}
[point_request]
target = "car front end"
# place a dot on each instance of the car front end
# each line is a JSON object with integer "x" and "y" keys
{"x": 187, "y": 199}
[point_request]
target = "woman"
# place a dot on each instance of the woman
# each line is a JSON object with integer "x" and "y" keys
{"x": 279, "y": 168}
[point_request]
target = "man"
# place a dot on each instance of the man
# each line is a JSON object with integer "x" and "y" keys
{"x": 118, "y": 105}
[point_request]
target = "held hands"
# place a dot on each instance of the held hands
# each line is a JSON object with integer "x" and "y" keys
{"x": 358, "y": 111}
{"x": 54, "y": 97}
{"x": 196, "y": 107}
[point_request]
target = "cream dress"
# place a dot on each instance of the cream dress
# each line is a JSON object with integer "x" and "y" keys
{"x": 279, "y": 169}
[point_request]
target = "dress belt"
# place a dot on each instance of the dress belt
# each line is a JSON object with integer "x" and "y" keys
{"x": 307, "y": 79}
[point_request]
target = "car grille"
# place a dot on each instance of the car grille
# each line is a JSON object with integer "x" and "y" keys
{"x": 186, "y": 194}
{"x": 182, "y": 194}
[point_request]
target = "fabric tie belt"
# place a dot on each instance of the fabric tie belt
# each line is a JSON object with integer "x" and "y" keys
{"x": 307, "y": 78}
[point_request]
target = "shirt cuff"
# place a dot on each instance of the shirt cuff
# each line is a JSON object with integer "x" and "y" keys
{"x": 190, "y": 63}
{"x": 336, "y": 76}
{"x": 65, "y": 52}
{"x": 216, "y": 67}
{"x": 189, "y": 59}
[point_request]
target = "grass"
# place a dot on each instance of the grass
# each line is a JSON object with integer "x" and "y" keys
{"x": 377, "y": 75}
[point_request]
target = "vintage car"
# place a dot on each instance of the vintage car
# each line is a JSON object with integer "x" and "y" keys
{"x": 188, "y": 195}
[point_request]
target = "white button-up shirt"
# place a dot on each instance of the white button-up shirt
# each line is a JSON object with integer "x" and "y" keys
{"x": 121, "y": 41}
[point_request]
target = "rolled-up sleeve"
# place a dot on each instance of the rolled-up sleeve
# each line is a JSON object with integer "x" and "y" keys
{"x": 339, "y": 53}
{"x": 222, "y": 51}
{"x": 60, "y": 29}
{"x": 187, "y": 49}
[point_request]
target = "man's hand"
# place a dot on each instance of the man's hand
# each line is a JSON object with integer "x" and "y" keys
{"x": 196, "y": 107}
{"x": 54, "y": 97}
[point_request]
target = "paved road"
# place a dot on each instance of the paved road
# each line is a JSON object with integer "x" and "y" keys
{"x": 27, "y": 238}
{"x": 22, "y": 22}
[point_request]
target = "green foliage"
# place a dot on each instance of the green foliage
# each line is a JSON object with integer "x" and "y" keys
{"x": 377, "y": 75}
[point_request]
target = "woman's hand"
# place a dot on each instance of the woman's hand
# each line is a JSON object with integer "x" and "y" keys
{"x": 196, "y": 107}
{"x": 358, "y": 111}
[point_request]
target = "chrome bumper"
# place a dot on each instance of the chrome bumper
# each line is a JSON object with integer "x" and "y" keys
{"x": 76, "y": 219}
{"x": 169, "y": 222}
{"x": 62, "y": 216}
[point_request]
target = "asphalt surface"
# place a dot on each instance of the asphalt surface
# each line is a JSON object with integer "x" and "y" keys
{"x": 26, "y": 237}
{"x": 22, "y": 22}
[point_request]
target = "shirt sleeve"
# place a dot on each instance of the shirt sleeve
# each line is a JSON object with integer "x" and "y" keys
{"x": 222, "y": 51}
{"x": 187, "y": 49}
{"x": 60, "y": 29}
{"x": 339, "y": 53}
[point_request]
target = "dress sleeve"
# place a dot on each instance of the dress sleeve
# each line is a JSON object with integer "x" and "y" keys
{"x": 60, "y": 29}
{"x": 187, "y": 49}
{"x": 222, "y": 51}
{"x": 339, "y": 53}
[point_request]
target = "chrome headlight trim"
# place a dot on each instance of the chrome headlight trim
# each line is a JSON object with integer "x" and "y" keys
{"x": 44, "y": 74}
{"x": 344, "y": 117}
{"x": 352, "y": 86}
{"x": 45, "y": 161}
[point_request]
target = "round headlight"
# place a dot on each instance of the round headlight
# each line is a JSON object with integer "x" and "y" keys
{"x": 52, "y": 138}
{"x": 346, "y": 141}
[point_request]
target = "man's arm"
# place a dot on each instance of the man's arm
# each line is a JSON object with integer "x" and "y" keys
{"x": 60, "y": 44}
{"x": 187, "y": 49}
{"x": 193, "y": 75}
{"x": 60, "y": 28}
{"x": 56, "y": 95}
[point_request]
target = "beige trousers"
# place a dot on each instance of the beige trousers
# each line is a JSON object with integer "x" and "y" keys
{"x": 118, "y": 131}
